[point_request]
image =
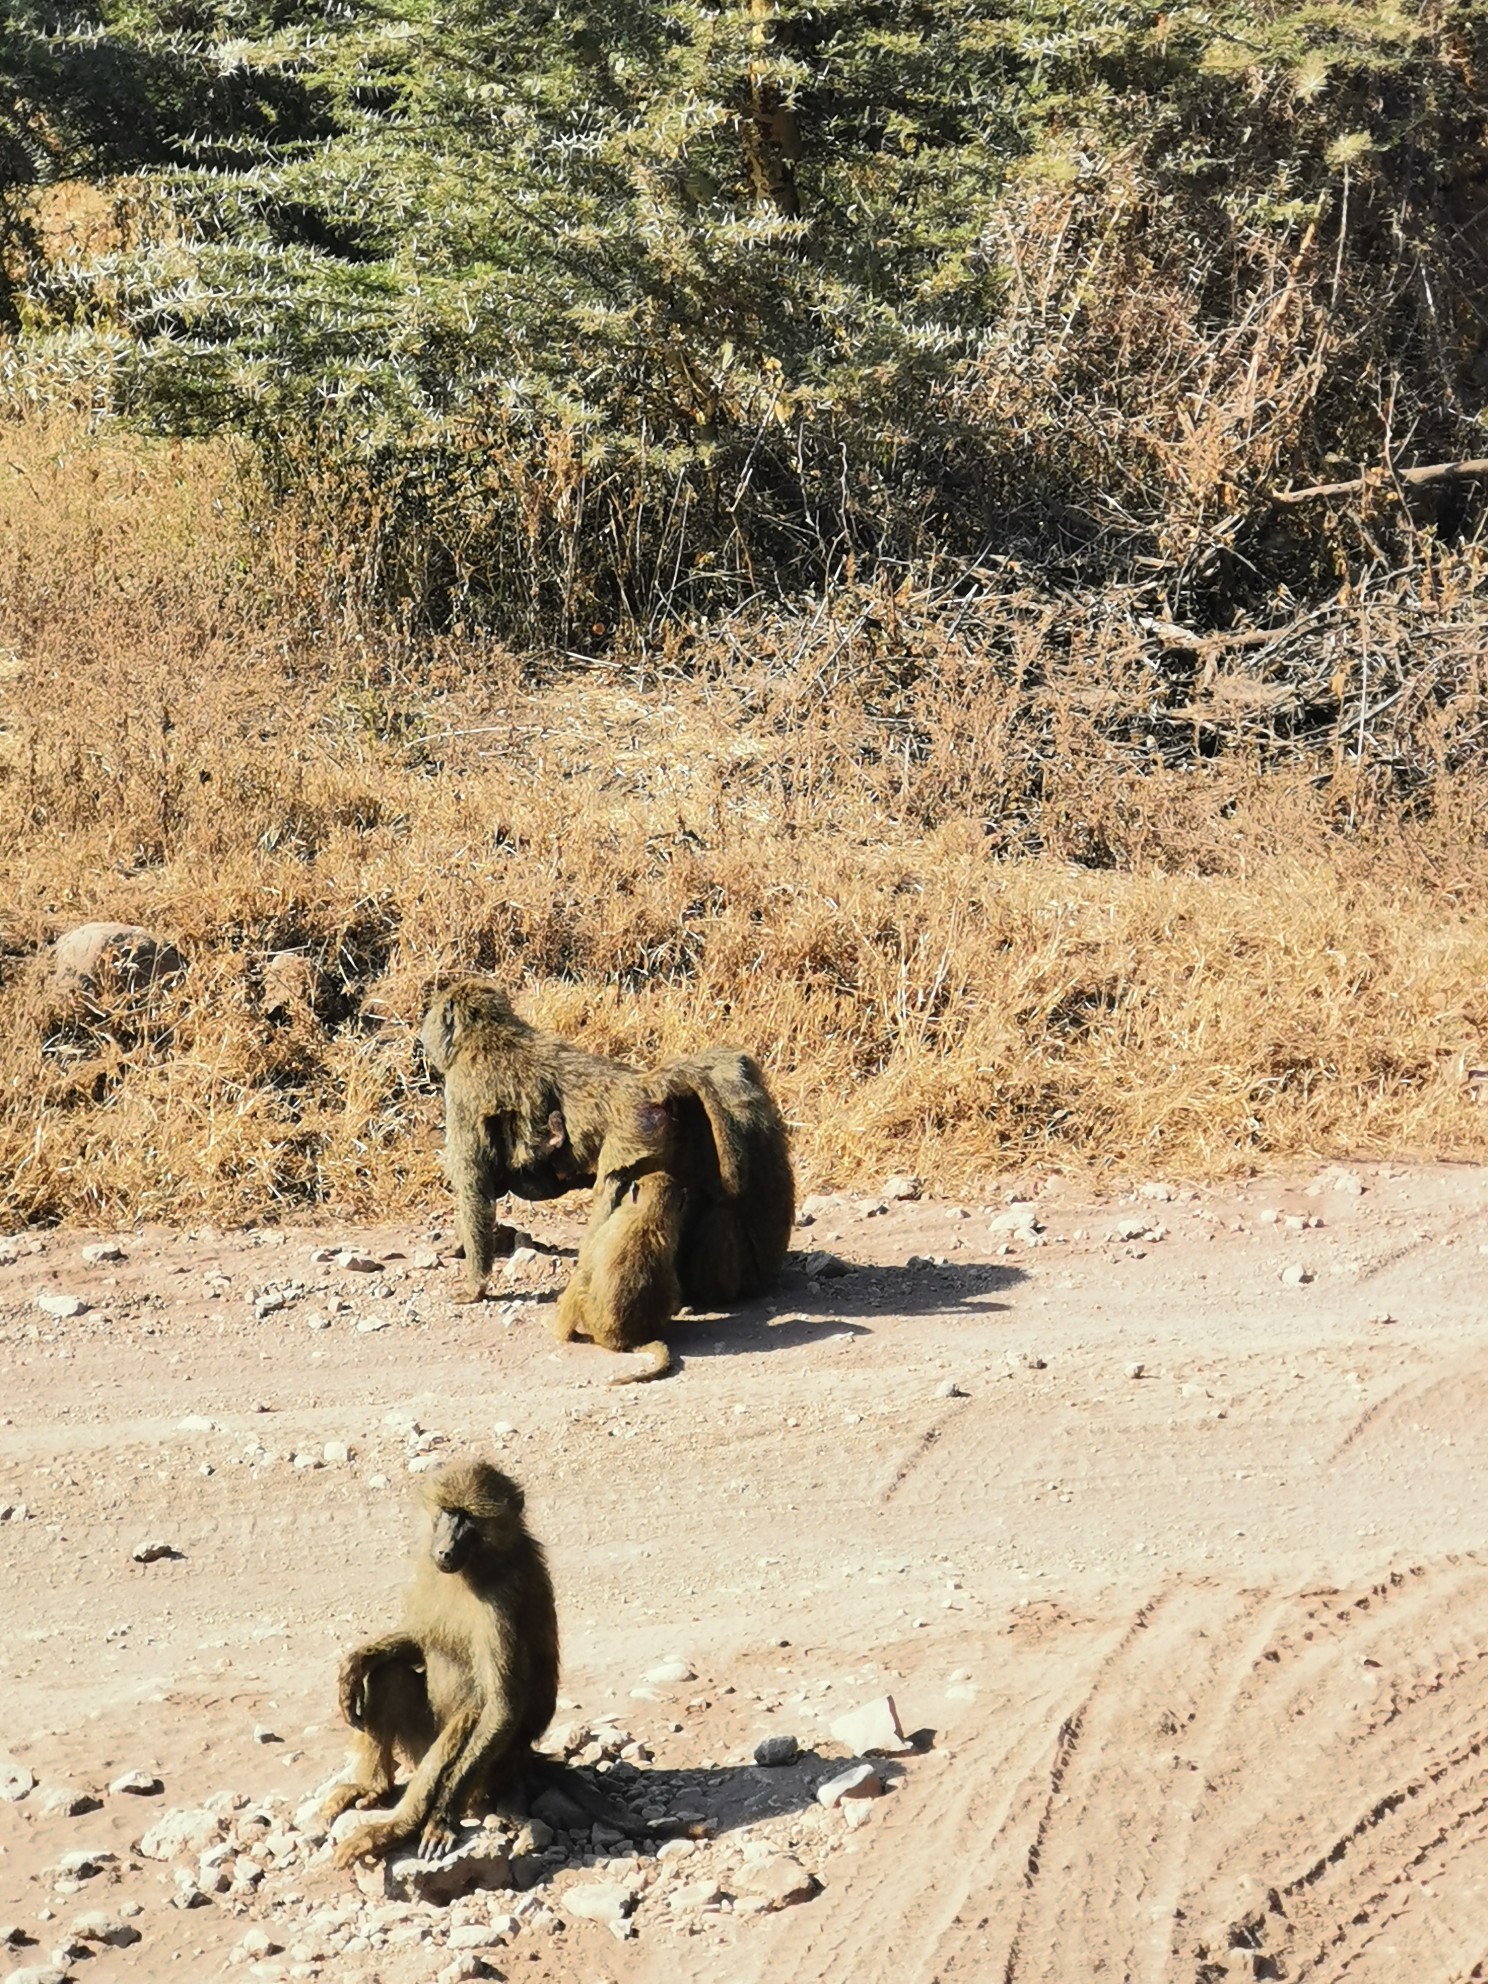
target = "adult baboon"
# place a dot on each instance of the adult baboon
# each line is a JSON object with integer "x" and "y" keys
{"x": 528, "y": 1111}
{"x": 624, "y": 1289}
{"x": 467, "y": 1685}
{"x": 524, "y": 1111}
{"x": 734, "y": 1159}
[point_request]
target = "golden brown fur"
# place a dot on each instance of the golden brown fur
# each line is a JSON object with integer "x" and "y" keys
{"x": 524, "y": 1111}
{"x": 466, "y": 1687}
{"x": 528, "y": 1112}
{"x": 624, "y": 1289}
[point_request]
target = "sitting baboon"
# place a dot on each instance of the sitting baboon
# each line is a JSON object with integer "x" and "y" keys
{"x": 527, "y": 1112}
{"x": 465, "y": 1688}
{"x": 524, "y": 1111}
{"x": 625, "y": 1289}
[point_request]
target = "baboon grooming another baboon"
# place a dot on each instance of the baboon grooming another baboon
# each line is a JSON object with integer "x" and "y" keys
{"x": 624, "y": 1289}
{"x": 463, "y": 1691}
{"x": 528, "y": 1112}
{"x": 524, "y": 1111}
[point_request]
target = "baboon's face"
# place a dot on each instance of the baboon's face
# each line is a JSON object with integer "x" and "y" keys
{"x": 456, "y": 1533}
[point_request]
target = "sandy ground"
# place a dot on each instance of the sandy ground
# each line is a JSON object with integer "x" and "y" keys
{"x": 1185, "y": 1596}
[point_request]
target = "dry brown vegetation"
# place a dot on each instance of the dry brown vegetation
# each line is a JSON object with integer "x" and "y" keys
{"x": 982, "y": 882}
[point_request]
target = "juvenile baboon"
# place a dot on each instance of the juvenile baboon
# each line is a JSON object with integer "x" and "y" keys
{"x": 524, "y": 1111}
{"x": 528, "y": 1112}
{"x": 624, "y": 1289}
{"x": 466, "y": 1687}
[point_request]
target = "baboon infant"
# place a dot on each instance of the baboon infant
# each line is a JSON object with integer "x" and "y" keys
{"x": 465, "y": 1688}
{"x": 528, "y": 1112}
{"x": 625, "y": 1289}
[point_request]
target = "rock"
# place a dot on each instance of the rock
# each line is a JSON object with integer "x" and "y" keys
{"x": 98, "y": 957}
{"x": 814, "y": 1205}
{"x": 15, "y": 1780}
{"x": 1158, "y": 1190}
{"x": 355, "y": 1263}
{"x": 152, "y": 1553}
{"x": 518, "y": 1262}
{"x": 668, "y": 1673}
{"x": 263, "y": 1734}
{"x": 1026, "y": 1360}
{"x": 872, "y": 1730}
{"x": 258, "y": 1943}
{"x": 336, "y": 1453}
{"x": 1129, "y": 1229}
{"x": 86, "y": 1861}
{"x": 103, "y": 1250}
{"x": 689, "y": 1896}
{"x": 950, "y": 1389}
{"x": 470, "y": 1964}
{"x": 481, "y": 1860}
{"x": 903, "y": 1185}
{"x": 1295, "y": 1276}
{"x": 862, "y": 1781}
{"x": 322, "y": 1255}
{"x": 12, "y": 1512}
{"x": 778, "y": 1881}
{"x": 189, "y": 1895}
{"x": 1349, "y": 1183}
{"x": 555, "y": 1808}
{"x": 424, "y": 1258}
{"x": 101, "y": 1928}
{"x": 68, "y": 1801}
{"x": 61, "y": 1307}
{"x": 189, "y": 1830}
{"x": 775, "y": 1750}
{"x": 599, "y": 1901}
{"x": 43, "y": 1973}
{"x": 1021, "y": 1222}
{"x": 824, "y": 1267}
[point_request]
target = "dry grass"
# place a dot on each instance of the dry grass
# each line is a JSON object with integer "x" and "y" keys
{"x": 858, "y": 842}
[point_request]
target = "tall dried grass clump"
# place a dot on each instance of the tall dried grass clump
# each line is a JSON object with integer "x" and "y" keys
{"x": 983, "y": 886}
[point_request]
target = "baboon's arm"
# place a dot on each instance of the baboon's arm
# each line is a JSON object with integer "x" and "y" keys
{"x": 491, "y": 1740}
{"x": 358, "y": 1664}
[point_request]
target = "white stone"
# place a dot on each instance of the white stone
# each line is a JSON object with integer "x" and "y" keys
{"x": 1295, "y": 1276}
{"x": 1020, "y": 1220}
{"x": 354, "y": 1262}
{"x": 903, "y": 1185}
{"x": 1157, "y": 1189}
{"x": 778, "y": 1881}
{"x": 667, "y": 1673}
{"x": 370, "y": 1323}
{"x": 103, "y": 1250}
{"x": 336, "y": 1453}
{"x": 872, "y": 1730}
{"x": 862, "y": 1781}
{"x": 599, "y": 1901}
{"x": 185, "y": 1831}
{"x": 14, "y": 1780}
{"x": 61, "y": 1307}
{"x": 152, "y": 1551}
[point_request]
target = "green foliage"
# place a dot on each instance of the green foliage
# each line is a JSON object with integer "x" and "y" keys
{"x": 574, "y": 319}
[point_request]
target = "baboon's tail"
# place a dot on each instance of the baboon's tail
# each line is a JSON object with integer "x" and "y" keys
{"x": 659, "y": 1362}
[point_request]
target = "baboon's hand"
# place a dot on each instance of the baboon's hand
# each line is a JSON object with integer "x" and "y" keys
{"x": 439, "y": 1838}
{"x": 341, "y": 1799}
{"x": 366, "y": 1843}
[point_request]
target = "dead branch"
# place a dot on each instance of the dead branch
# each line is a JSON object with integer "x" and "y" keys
{"x": 1413, "y": 478}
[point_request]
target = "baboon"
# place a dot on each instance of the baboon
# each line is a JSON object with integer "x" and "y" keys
{"x": 734, "y": 1159}
{"x": 625, "y": 1288}
{"x": 463, "y": 1691}
{"x": 524, "y": 1111}
{"x": 528, "y": 1112}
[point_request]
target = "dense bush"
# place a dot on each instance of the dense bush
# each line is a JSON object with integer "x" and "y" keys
{"x": 578, "y": 320}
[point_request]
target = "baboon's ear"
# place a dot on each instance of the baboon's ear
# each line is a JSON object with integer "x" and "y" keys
{"x": 557, "y": 1132}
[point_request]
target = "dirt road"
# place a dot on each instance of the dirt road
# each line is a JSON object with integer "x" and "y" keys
{"x": 1175, "y": 1565}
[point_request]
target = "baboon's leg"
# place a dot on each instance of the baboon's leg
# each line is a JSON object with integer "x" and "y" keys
{"x": 385, "y": 1698}
{"x": 479, "y": 1234}
{"x": 571, "y": 1317}
{"x": 713, "y": 1261}
{"x": 467, "y": 1756}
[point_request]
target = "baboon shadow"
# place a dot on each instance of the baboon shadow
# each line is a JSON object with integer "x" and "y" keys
{"x": 727, "y": 1797}
{"x": 802, "y": 1309}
